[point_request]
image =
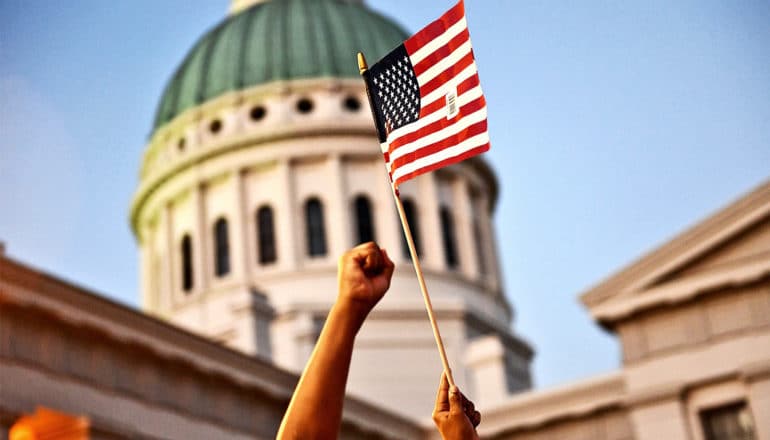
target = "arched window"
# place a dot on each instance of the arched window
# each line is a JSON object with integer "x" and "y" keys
{"x": 448, "y": 236}
{"x": 187, "y": 263}
{"x": 364, "y": 224}
{"x": 314, "y": 224}
{"x": 265, "y": 236}
{"x": 410, "y": 210}
{"x": 221, "y": 248}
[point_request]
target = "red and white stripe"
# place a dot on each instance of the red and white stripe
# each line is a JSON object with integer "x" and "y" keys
{"x": 442, "y": 57}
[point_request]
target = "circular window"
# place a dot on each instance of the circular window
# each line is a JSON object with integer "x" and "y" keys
{"x": 215, "y": 126}
{"x": 352, "y": 104}
{"x": 180, "y": 144}
{"x": 304, "y": 105}
{"x": 257, "y": 113}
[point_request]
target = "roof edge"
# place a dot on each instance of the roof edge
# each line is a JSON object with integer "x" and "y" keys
{"x": 685, "y": 247}
{"x": 535, "y": 409}
{"x": 74, "y": 305}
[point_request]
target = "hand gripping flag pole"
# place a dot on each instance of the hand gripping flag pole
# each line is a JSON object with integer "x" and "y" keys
{"x": 362, "y": 68}
{"x": 429, "y": 112}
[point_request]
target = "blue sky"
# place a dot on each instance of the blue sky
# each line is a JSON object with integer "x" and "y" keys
{"x": 614, "y": 126}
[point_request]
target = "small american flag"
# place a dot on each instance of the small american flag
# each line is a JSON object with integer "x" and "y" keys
{"x": 427, "y": 101}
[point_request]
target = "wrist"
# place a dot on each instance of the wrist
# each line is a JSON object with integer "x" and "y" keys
{"x": 349, "y": 312}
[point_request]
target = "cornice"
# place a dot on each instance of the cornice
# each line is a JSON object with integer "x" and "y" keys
{"x": 755, "y": 371}
{"x": 153, "y": 175}
{"x": 536, "y": 409}
{"x": 64, "y": 302}
{"x": 678, "y": 390}
{"x": 59, "y": 301}
{"x": 677, "y": 292}
{"x": 152, "y": 182}
{"x": 656, "y": 394}
{"x": 509, "y": 339}
{"x": 684, "y": 248}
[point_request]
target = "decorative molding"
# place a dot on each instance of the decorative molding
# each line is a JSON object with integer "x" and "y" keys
{"x": 90, "y": 330}
{"x": 677, "y": 292}
{"x": 538, "y": 409}
{"x": 756, "y": 371}
{"x": 652, "y": 395}
{"x": 685, "y": 248}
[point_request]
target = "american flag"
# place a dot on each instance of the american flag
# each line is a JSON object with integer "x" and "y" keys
{"x": 427, "y": 101}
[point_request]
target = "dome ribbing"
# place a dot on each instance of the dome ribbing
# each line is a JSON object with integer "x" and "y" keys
{"x": 273, "y": 41}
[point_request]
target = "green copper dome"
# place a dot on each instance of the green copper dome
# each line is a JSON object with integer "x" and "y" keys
{"x": 277, "y": 40}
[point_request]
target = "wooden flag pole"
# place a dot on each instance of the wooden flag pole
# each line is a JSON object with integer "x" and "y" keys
{"x": 362, "y": 68}
{"x": 423, "y": 287}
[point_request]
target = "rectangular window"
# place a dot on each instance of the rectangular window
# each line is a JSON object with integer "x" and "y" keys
{"x": 729, "y": 422}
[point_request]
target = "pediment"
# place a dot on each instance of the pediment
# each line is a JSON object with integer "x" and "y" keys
{"x": 731, "y": 246}
{"x": 750, "y": 244}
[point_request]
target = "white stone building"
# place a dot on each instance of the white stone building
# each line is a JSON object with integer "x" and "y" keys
{"x": 262, "y": 168}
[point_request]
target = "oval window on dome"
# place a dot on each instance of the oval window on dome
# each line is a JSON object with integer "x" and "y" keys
{"x": 305, "y": 105}
{"x": 352, "y": 104}
{"x": 257, "y": 113}
{"x": 215, "y": 126}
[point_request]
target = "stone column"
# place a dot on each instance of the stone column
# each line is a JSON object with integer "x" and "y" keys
{"x": 167, "y": 291}
{"x": 285, "y": 218}
{"x": 156, "y": 270}
{"x": 387, "y": 222}
{"x": 485, "y": 362}
{"x": 238, "y": 244}
{"x": 263, "y": 314}
{"x": 145, "y": 271}
{"x": 251, "y": 321}
{"x": 200, "y": 244}
{"x": 462, "y": 212}
{"x": 489, "y": 245}
{"x": 427, "y": 204}
{"x": 337, "y": 212}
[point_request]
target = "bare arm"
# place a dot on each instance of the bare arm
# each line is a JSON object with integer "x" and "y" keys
{"x": 315, "y": 410}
